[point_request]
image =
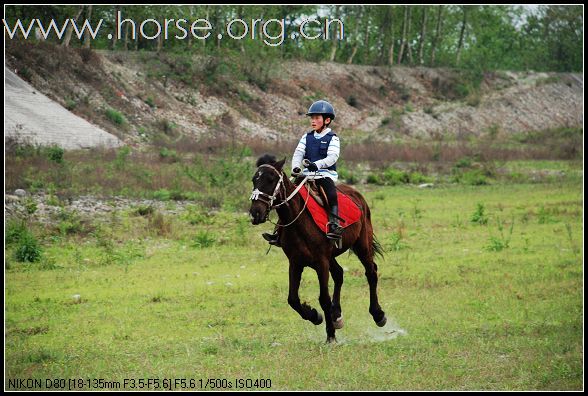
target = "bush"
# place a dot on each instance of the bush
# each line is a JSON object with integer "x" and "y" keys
{"x": 168, "y": 154}
{"x": 204, "y": 239}
{"x": 394, "y": 177}
{"x": 28, "y": 249}
{"x": 418, "y": 178}
{"x": 352, "y": 101}
{"x": 479, "y": 217}
{"x": 374, "y": 179}
{"x": 159, "y": 224}
{"x": 150, "y": 102}
{"x": 15, "y": 230}
{"x": 474, "y": 177}
{"x": 55, "y": 154}
{"x": 115, "y": 116}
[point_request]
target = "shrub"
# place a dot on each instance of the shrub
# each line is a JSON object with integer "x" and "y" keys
{"x": 168, "y": 154}
{"x": 418, "y": 178}
{"x": 115, "y": 116}
{"x": 55, "y": 154}
{"x": 144, "y": 210}
{"x": 159, "y": 224}
{"x": 204, "y": 239}
{"x": 394, "y": 177}
{"x": 479, "y": 216}
{"x": 352, "y": 101}
{"x": 15, "y": 230}
{"x": 150, "y": 102}
{"x": 474, "y": 177}
{"x": 374, "y": 179}
{"x": 28, "y": 249}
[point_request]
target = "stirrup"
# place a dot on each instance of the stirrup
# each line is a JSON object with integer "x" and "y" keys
{"x": 273, "y": 239}
{"x": 336, "y": 232}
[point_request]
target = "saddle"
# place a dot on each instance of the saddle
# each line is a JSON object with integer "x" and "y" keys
{"x": 318, "y": 193}
{"x": 349, "y": 211}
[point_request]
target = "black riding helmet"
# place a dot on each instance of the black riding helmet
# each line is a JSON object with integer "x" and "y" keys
{"x": 322, "y": 107}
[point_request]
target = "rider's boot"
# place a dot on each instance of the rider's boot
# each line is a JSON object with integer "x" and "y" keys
{"x": 334, "y": 229}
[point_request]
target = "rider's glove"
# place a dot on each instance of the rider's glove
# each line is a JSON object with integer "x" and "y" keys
{"x": 312, "y": 167}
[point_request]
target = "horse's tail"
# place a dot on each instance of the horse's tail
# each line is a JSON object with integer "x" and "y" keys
{"x": 377, "y": 247}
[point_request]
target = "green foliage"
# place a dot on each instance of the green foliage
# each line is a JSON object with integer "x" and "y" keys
{"x": 479, "y": 216}
{"x": 168, "y": 154}
{"x": 115, "y": 116}
{"x": 28, "y": 248}
{"x": 55, "y": 154}
{"x": 502, "y": 241}
{"x": 394, "y": 177}
{"x": 150, "y": 102}
{"x": 203, "y": 239}
{"x": 121, "y": 159}
{"x": 396, "y": 243}
{"x": 15, "y": 230}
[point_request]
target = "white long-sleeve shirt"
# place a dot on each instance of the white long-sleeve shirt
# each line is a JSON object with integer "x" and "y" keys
{"x": 329, "y": 160}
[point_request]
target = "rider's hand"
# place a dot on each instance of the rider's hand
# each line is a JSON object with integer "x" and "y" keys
{"x": 312, "y": 167}
{"x": 296, "y": 171}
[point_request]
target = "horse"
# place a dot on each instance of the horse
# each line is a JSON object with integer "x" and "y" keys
{"x": 306, "y": 245}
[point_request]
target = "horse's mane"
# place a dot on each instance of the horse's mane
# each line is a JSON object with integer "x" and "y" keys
{"x": 266, "y": 159}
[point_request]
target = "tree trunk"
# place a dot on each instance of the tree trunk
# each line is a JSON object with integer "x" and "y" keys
{"x": 391, "y": 53}
{"x": 423, "y": 35}
{"x": 403, "y": 40}
{"x": 114, "y": 36}
{"x": 335, "y": 42}
{"x": 408, "y": 46}
{"x": 69, "y": 31}
{"x": 437, "y": 35}
{"x": 86, "y": 34}
{"x": 461, "y": 35}
{"x": 366, "y": 40}
{"x": 354, "y": 36}
{"x": 126, "y": 41}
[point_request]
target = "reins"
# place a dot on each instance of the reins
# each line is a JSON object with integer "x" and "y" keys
{"x": 260, "y": 196}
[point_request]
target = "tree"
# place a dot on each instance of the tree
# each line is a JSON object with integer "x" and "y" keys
{"x": 69, "y": 31}
{"x": 86, "y": 35}
{"x": 461, "y": 34}
{"x": 422, "y": 35}
{"x": 437, "y": 39}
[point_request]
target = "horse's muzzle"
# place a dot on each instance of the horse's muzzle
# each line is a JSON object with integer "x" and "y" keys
{"x": 257, "y": 215}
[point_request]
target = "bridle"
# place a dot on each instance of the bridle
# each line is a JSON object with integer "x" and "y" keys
{"x": 280, "y": 188}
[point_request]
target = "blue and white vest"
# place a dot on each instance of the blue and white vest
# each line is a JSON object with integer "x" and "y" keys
{"x": 316, "y": 149}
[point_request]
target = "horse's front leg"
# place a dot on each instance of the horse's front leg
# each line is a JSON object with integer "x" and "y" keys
{"x": 337, "y": 275}
{"x": 322, "y": 271}
{"x": 305, "y": 311}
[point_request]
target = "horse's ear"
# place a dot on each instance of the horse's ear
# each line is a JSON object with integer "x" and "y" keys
{"x": 279, "y": 165}
{"x": 265, "y": 159}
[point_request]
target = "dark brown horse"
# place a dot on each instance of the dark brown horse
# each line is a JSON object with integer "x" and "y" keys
{"x": 306, "y": 245}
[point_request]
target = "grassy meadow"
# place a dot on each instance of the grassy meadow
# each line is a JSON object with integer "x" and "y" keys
{"x": 482, "y": 286}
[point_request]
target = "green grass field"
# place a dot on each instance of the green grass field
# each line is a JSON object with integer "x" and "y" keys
{"x": 490, "y": 304}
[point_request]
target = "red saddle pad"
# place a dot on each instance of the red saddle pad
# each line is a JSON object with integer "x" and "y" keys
{"x": 348, "y": 210}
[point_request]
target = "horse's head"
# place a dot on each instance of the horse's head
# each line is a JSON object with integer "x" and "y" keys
{"x": 267, "y": 180}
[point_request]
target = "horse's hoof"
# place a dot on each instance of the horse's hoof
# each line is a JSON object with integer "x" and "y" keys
{"x": 382, "y": 322}
{"x": 331, "y": 340}
{"x": 319, "y": 319}
{"x": 338, "y": 324}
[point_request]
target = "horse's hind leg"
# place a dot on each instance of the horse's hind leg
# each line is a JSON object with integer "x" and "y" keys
{"x": 303, "y": 310}
{"x": 337, "y": 275}
{"x": 364, "y": 250}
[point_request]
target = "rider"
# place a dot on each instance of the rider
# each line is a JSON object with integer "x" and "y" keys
{"x": 321, "y": 147}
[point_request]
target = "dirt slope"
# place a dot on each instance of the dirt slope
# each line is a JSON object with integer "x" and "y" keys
{"x": 371, "y": 102}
